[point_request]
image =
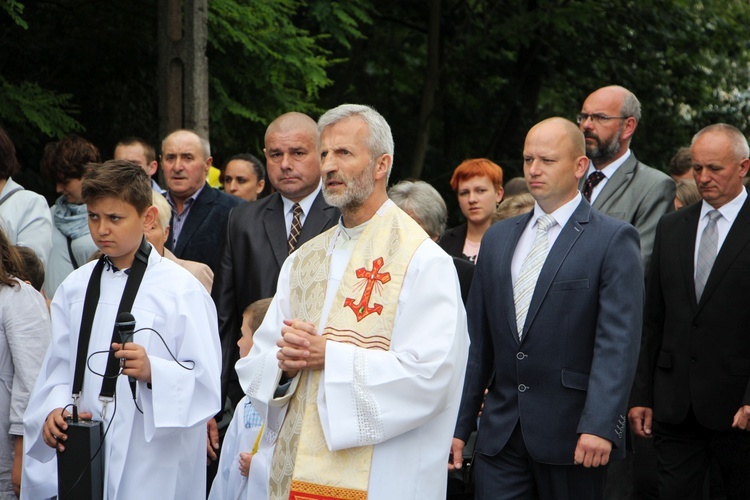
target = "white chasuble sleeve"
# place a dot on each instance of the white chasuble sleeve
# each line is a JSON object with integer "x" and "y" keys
{"x": 371, "y": 396}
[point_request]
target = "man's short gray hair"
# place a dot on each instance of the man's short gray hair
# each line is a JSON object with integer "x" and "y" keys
{"x": 737, "y": 138}
{"x": 205, "y": 145}
{"x": 631, "y": 106}
{"x": 380, "y": 140}
{"x": 423, "y": 202}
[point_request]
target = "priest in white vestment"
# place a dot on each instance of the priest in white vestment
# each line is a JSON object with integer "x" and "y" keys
{"x": 359, "y": 364}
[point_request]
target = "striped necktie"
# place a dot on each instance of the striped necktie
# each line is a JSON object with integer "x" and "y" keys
{"x": 530, "y": 269}
{"x": 296, "y": 228}
{"x": 707, "y": 249}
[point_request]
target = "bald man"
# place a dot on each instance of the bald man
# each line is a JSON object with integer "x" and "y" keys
{"x": 554, "y": 315}
{"x": 257, "y": 239}
{"x": 615, "y": 182}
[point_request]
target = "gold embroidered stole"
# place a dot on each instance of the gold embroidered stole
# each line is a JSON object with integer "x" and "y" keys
{"x": 363, "y": 313}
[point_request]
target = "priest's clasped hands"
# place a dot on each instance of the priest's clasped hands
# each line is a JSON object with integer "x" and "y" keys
{"x": 300, "y": 347}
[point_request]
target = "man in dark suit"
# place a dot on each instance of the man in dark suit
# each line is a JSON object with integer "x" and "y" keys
{"x": 616, "y": 183}
{"x": 553, "y": 314}
{"x": 199, "y": 212}
{"x": 257, "y": 236}
{"x": 693, "y": 379}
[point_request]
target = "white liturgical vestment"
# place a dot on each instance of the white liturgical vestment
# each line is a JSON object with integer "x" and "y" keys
{"x": 416, "y": 385}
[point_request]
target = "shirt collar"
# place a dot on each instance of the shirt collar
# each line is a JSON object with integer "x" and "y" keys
{"x": 729, "y": 210}
{"x": 610, "y": 169}
{"x": 305, "y": 203}
{"x": 562, "y": 214}
{"x": 191, "y": 199}
{"x": 109, "y": 266}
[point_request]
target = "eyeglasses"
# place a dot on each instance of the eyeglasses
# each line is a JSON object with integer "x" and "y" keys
{"x": 597, "y": 118}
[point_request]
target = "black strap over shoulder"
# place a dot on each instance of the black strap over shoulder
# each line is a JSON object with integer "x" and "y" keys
{"x": 91, "y": 301}
{"x": 72, "y": 257}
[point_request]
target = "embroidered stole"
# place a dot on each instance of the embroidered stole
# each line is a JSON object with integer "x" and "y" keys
{"x": 362, "y": 314}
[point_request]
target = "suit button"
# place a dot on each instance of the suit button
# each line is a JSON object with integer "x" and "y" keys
{"x": 522, "y": 388}
{"x": 693, "y": 360}
{"x": 695, "y": 324}
{"x": 521, "y": 355}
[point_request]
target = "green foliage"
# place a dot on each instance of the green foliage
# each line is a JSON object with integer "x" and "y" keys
{"x": 268, "y": 57}
{"x": 14, "y": 10}
{"x": 49, "y": 112}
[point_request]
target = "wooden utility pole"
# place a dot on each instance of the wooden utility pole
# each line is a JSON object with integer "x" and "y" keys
{"x": 183, "y": 66}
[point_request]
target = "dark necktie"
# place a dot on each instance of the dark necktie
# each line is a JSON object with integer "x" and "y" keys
{"x": 591, "y": 182}
{"x": 296, "y": 227}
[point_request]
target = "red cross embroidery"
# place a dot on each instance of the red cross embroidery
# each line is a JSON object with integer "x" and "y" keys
{"x": 362, "y": 309}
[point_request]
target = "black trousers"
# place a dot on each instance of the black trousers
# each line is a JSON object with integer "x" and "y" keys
{"x": 685, "y": 451}
{"x": 513, "y": 474}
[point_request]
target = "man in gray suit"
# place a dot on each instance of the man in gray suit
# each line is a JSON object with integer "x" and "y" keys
{"x": 553, "y": 313}
{"x": 261, "y": 234}
{"x": 616, "y": 183}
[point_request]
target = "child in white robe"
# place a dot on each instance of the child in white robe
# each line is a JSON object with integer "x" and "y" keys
{"x": 154, "y": 445}
{"x": 242, "y": 437}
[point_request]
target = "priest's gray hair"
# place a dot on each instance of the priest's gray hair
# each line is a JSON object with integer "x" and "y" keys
{"x": 423, "y": 203}
{"x": 380, "y": 140}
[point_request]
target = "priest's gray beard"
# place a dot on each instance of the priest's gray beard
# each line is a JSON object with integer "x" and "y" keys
{"x": 358, "y": 189}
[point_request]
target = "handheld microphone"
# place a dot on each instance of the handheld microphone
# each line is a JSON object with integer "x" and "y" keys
{"x": 125, "y": 325}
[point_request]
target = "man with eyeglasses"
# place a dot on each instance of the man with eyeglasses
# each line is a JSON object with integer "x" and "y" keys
{"x": 616, "y": 183}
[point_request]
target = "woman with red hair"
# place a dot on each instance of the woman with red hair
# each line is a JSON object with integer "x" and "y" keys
{"x": 479, "y": 185}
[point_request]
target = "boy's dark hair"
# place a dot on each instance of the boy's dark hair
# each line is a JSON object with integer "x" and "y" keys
{"x": 258, "y": 310}
{"x": 8, "y": 162}
{"x": 33, "y": 269}
{"x": 119, "y": 179}
{"x": 68, "y": 157}
{"x": 11, "y": 265}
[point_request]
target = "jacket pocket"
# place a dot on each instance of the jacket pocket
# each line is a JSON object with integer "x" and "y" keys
{"x": 560, "y": 286}
{"x": 664, "y": 360}
{"x": 575, "y": 380}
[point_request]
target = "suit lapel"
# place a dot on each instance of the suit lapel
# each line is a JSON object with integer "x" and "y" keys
{"x": 506, "y": 278}
{"x": 317, "y": 219}
{"x": 198, "y": 212}
{"x": 687, "y": 231}
{"x": 737, "y": 239}
{"x": 275, "y": 227}
{"x": 564, "y": 242}
{"x": 620, "y": 179}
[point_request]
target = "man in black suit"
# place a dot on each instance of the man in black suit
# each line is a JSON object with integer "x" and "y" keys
{"x": 199, "y": 212}
{"x": 258, "y": 233}
{"x": 692, "y": 388}
{"x": 554, "y": 313}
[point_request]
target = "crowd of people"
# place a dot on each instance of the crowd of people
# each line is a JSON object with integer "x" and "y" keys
{"x": 311, "y": 331}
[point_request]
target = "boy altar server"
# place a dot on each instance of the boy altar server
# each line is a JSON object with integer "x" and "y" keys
{"x": 154, "y": 444}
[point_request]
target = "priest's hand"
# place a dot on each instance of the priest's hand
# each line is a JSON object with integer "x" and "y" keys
{"x": 742, "y": 418}
{"x": 592, "y": 451}
{"x": 456, "y": 457}
{"x": 55, "y": 426}
{"x": 300, "y": 347}
{"x": 641, "y": 418}
{"x": 133, "y": 361}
